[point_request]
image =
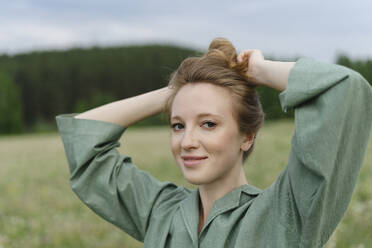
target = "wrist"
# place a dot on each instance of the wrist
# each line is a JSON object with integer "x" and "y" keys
{"x": 260, "y": 74}
{"x": 274, "y": 74}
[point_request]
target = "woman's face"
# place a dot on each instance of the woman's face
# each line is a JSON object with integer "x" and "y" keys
{"x": 205, "y": 140}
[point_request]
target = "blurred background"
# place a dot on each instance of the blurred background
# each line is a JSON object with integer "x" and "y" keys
{"x": 69, "y": 56}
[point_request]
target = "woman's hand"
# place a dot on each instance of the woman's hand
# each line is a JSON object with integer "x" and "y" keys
{"x": 273, "y": 74}
{"x": 255, "y": 60}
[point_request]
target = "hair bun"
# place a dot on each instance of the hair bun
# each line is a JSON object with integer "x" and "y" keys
{"x": 224, "y": 49}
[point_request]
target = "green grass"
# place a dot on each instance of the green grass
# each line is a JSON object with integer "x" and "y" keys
{"x": 38, "y": 208}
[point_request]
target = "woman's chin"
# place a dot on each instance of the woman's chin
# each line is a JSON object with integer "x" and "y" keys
{"x": 194, "y": 178}
{"x": 194, "y": 181}
{"x": 197, "y": 178}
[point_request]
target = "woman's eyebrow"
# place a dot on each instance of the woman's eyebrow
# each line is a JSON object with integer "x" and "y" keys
{"x": 199, "y": 116}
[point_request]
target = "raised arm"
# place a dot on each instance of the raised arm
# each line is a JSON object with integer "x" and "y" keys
{"x": 107, "y": 181}
{"x": 333, "y": 118}
{"x": 131, "y": 110}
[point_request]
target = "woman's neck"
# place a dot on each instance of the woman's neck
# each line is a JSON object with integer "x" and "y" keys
{"x": 213, "y": 191}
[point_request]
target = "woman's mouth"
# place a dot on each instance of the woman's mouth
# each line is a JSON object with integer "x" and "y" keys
{"x": 191, "y": 161}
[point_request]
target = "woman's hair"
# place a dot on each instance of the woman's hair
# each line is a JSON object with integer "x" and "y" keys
{"x": 219, "y": 66}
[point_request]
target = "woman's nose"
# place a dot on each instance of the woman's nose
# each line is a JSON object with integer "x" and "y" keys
{"x": 189, "y": 140}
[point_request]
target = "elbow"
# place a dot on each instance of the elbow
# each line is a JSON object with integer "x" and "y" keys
{"x": 363, "y": 93}
{"x": 84, "y": 192}
{"x": 358, "y": 80}
{"x": 78, "y": 182}
{"x": 78, "y": 188}
{"x": 358, "y": 93}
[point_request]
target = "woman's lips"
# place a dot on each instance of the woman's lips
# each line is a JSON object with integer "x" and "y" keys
{"x": 190, "y": 161}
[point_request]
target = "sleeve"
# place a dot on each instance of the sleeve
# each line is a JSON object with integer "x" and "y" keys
{"x": 108, "y": 182}
{"x": 333, "y": 116}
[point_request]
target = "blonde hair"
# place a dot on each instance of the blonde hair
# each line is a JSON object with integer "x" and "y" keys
{"x": 219, "y": 66}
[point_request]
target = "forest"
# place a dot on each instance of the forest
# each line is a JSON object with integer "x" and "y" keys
{"x": 37, "y": 86}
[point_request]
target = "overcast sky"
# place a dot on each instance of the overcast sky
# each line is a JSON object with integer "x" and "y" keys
{"x": 318, "y": 29}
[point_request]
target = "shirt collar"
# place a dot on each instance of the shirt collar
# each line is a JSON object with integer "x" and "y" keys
{"x": 233, "y": 199}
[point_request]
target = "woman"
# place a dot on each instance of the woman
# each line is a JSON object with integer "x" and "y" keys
{"x": 215, "y": 115}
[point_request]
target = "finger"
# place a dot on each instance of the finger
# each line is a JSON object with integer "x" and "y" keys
{"x": 239, "y": 58}
{"x": 245, "y": 54}
{"x": 242, "y": 56}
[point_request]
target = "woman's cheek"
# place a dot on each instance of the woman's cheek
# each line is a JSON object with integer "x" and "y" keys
{"x": 214, "y": 143}
{"x": 175, "y": 144}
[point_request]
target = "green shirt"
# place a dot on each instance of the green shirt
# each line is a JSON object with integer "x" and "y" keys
{"x": 333, "y": 116}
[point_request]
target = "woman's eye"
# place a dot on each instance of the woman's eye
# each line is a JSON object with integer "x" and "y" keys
{"x": 209, "y": 124}
{"x": 177, "y": 126}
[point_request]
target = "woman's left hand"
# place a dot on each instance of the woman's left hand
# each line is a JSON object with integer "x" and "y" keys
{"x": 272, "y": 74}
{"x": 255, "y": 60}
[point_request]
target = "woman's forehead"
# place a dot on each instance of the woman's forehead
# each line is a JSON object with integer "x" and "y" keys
{"x": 198, "y": 99}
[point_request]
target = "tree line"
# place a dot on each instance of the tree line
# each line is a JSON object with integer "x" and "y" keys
{"x": 37, "y": 86}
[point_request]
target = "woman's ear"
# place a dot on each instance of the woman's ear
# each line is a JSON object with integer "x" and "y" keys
{"x": 248, "y": 142}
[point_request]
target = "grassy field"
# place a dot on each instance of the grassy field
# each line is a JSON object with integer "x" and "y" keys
{"x": 38, "y": 208}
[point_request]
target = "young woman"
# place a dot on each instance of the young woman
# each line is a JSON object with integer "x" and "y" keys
{"x": 215, "y": 115}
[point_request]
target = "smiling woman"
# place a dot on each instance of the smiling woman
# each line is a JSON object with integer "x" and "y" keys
{"x": 220, "y": 67}
{"x": 214, "y": 114}
{"x": 209, "y": 155}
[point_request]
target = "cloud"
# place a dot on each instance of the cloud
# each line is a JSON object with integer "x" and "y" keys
{"x": 285, "y": 28}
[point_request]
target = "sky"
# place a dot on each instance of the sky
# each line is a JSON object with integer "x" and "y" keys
{"x": 282, "y": 29}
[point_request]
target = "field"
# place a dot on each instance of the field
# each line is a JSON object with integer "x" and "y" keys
{"x": 38, "y": 208}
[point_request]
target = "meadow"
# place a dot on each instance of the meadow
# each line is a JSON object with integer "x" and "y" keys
{"x": 38, "y": 208}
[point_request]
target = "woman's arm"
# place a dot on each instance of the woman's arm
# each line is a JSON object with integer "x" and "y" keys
{"x": 333, "y": 118}
{"x": 130, "y": 110}
{"x": 274, "y": 74}
{"x": 108, "y": 182}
